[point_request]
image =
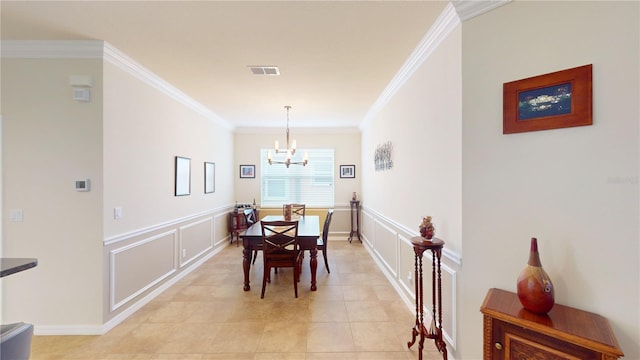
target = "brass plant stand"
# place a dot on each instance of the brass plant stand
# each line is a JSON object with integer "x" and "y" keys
{"x": 420, "y": 245}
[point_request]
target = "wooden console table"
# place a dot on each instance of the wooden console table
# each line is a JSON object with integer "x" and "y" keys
{"x": 355, "y": 220}
{"x": 420, "y": 245}
{"x": 511, "y": 332}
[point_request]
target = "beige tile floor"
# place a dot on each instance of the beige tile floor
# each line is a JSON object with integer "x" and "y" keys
{"x": 354, "y": 314}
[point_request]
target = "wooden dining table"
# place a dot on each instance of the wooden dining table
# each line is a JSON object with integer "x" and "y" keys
{"x": 308, "y": 233}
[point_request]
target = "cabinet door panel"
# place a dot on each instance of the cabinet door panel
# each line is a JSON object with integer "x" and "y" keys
{"x": 519, "y": 348}
{"x": 519, "y": 343}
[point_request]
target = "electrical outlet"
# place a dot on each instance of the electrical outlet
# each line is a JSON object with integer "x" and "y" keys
{"x": 184, "y": 252}
{"x": 409, "y": 276}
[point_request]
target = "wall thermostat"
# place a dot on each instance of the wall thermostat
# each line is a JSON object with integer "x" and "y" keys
{"x": 82, "y": 185}
{"x": 81, "y": 94}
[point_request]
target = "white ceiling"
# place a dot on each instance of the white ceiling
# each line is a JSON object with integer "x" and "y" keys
{"x": 335, "y": 57}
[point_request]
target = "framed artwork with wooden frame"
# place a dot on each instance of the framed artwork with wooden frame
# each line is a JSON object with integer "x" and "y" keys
{"x": 551, "y": 101}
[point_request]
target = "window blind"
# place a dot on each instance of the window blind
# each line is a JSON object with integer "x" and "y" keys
{"x": 311, "y": 185}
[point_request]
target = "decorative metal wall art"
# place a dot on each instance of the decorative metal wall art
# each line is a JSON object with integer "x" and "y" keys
{"x": 382, "y": 157}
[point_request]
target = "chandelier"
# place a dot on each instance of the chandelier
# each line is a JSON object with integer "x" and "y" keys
{"x": 290, "y": 151}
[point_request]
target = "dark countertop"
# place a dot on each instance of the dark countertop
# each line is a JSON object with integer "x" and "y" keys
{"x": 13, "y": 265}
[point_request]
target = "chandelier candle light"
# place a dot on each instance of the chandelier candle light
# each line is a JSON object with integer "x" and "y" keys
{"x": 290, "y": 151}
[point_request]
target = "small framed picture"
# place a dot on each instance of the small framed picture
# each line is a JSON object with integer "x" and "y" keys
{"x": 209, "y": 177}
{"x": 183, "y": 176}
{"x": 347, "y": 171}
{"x": 247, "y": 171}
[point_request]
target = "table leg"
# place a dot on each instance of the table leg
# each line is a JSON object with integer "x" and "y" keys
{"x": 246, "y": 263}
{"x": 314, "y": 266}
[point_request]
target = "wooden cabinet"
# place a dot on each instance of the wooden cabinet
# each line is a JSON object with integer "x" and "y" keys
{"x": 511, "y": 332}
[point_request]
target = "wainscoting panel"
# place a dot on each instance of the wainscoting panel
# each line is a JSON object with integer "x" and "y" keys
{"x": 367, "y": 225}
{"x": 141, "y": 264}
{"x": 386, "y": 247}
{"x": 448, "y": 295}
{"x": 133, "y": 271}
{"x": 195, "y": 239}
{"x": 220, "y": 228}
{"x": 407, "y": 269}
{"x": 389, "y": 244}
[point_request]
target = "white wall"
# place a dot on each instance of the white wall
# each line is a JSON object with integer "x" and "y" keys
{"x": 248, "y": 143}
{"x": 50, "y": 141}
{"x": 125, "y": 141}
{"x": 575, "y": 189}
{"x": 423, "y": 122}
{"x": 144, "y": 131}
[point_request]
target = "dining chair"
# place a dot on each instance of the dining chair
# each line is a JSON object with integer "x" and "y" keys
{"x": 280, "y": 248}
{"x": 296, "y": 209}
{"x": 324, "y": 238}
{"x": 251, "y": 218}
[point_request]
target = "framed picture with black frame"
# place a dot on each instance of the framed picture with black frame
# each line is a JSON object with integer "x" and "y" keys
{"x": 182, "y": 176}
{"x": 247, "y": 171}
{"x": 209, "y": 177}
{"x": 347, "y": 171}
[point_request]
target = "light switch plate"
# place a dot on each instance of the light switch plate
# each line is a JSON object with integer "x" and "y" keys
{"x": 117, "y": 213}
{"x": 15, "y": 215}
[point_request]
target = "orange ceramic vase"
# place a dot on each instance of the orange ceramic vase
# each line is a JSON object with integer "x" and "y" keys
{"x": 535, "y": 289}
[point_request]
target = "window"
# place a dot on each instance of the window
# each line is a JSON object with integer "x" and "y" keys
{"x": 311, "y": 185}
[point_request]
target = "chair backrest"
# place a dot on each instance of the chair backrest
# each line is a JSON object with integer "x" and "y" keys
{"x": 298, "y": 209}
{"x": 250, "y": 216}
{"x": 325, "y": 228}
{"x": 279, "y": 237}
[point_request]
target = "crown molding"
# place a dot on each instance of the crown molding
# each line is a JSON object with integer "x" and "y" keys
{"x": 98, "y": 49}
{"x": 52, "y": 49}
{"x": 468, "y": 9}
{"x": 451, "y": 17}
{"x": 127, "y": 64}
{"x": 446, "y": 22}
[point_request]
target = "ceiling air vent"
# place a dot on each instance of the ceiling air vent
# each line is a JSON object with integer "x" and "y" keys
{"x": 265, "y": 70}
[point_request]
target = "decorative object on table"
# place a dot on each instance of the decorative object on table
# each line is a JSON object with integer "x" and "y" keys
{"x": 535, "y": 289}
{"x": 287, "y": 212}
{"x": 354, "y": 197}
{"x": 427, "y": 230}
{"x": 347, "y": 171}
{"x": 182, "y": 176}
{"x": 289, "y": 152}
{"x": 382, "y": 156}
{"x": 247, "y": 171}
{"x": 556, "y": 100}
{"x": 209, "y": 177}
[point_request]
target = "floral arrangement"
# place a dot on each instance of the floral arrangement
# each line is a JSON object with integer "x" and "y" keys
{"x": 427, "y": 230}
